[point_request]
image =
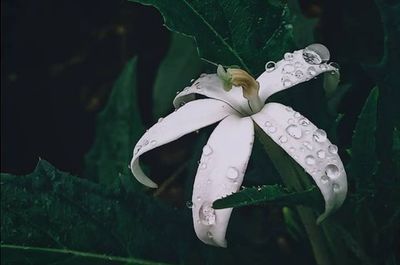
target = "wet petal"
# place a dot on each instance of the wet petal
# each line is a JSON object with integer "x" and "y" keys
{"x": 211, "y": 86}
{"x": 221, "y": 169}
{"x": 308, "y": 146}
{"x": 290, "y": 71}
{"x": 189, "y": 118}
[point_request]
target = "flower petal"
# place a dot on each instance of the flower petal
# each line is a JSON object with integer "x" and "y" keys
{"x": 189, "y": 118}
{"x": 222, "y": 166}
{"x": 289, "y": 72}
{"x": 211, "y": 86}
{"x": 309, "y": 147}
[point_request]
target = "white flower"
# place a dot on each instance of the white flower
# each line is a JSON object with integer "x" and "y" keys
{"x": 226, "y": 154}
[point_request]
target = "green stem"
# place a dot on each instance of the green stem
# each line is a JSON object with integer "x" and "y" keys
{"x": 295, "y": 178}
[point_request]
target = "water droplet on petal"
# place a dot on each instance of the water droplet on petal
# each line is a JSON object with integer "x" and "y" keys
{"x": 333, "y": 149}
{"x": 319, "y": 136}
{"x": 299, "y": 74}
{"x": 297, "y": 115}
{"x": 153, "y": 142}
{"x": 311, "y": 71}
{"x": 267, "y": 124}
{"x": 207, "y": 150}
{"x": 294, "y": 131}
{"x": 209, "y": 234}
{"x": 288, "y": 68}
{"x": 310, "y": 160}
{"x": 324, "y": 179}
{"x": 287, "y": 83}
{"x": 198, "y": 198}
{"x": 272, "y": 129}
{"x": 203, "y": 75}
{"x": 308, "y": 145}
{"x": 207, "y": 214}
{"x": 283, "y": 139}
{"x": 335, "y": 187}
{"x": 203, "y": 165}
{"x": 146, "y": 142}
{"x": 321, "y": 154}
{"x": 160, "y": 119}
{"x": 288, "y": 56}
{"x": 288, "y": 109}
{"x": 332, "y": 171}
{"x": 189, "y": 204}
{"x": 304, "y": 121}
{"x": 316, "y": 54}
{"x": 232, "y": 173}
{"x": 292, "y": 149}
{"x": 270, "y": 66}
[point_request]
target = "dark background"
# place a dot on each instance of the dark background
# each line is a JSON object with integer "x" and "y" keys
{"x": 59, "y": 60}
{"x": 58, "y": 63}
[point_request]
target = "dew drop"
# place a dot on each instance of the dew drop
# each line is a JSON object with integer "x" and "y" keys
{"x": 267, "y": 124}
{"x": 296, "y": 115}
{"x": 319, "y": 136}
{"x": 272, "y": 129}
{"x": 316, "y": 54}
{"x": 283, "y": 139}
{"x": 232, "y": 173}
{"x": 290, "y": 121}
{"x": 207, "y": 150}
{"x": 311, "y": 71}
{"x": 288, "y": 56}
{"x": 288, "y": 68}
{"x": 207, "y": 214}
{"x": 324, "y": 179}
{"x": 332, "y": 171}
{"x": 209, "y": 234}
{"x": 335, "y": 187}
{"x": 270, "y": 66}
{"x": 294, "y": 131}
{"x": 304, "y": 121}
{"x": 189, "y": 204}
{"x": 292, "y": 149}
{"x": 203, "y": 165}
{"x": 198, "y": 198}
{"x": 287, "y": 83}
{"x": 299, "y": 74}
{"x": 310, "y": 160}
{"x": 321, "y": 154}
{"x": 288, "y": 109}
{"x": 145, "y": 142}
{"x": 308, "y": 145}
{"x": 160, "y": 119}
{"x": 153, "y": 142}
{"x": 203, "y": 75}
{"x": 333, "y": 149}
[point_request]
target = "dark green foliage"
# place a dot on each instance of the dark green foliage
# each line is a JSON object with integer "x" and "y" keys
{"x": 269, "y": 194}
{"x": 243, "y": 33}
{"x": 119, "y": 126}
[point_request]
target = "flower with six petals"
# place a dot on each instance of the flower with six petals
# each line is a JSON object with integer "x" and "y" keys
{"x": 236, "y": 101}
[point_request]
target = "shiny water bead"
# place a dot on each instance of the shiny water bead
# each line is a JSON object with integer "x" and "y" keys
{"x": 304, "y": 121}
{"x": 320, "y": 136}
{"x": 207, "y": 214}
{"x": 287, "y": 82}
{"x": 288, "y": 68}
{"x": 283, "y": 139}
{"x": 308, "y": 145}
{"x": 288, "y": 56}
{"x": 153, "y": 142}
{"x": 207, "y": 150}
{"x": 299, "y": 74}
{"x": 332, "y": 171}
{"x": 294, "y": 131}
{"x": 335, "y": 187}
{"x": 203, "y": 165}
{"x": 232, "y": 173}
{"x": 189, "y": 204}
{"x": 270, "y": 66}
{"x": 316, "y": 54}
{"x": 311, "y": 71}
{"x": 310, "y": 160}
{"x": 272, "y": 129}
{"x": 321, "y": 154}
{"x": 324, "y": 179}
{"x": 333, "y": 149}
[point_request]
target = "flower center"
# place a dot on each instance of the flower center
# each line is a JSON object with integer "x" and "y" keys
{"x": 250, "y": 87}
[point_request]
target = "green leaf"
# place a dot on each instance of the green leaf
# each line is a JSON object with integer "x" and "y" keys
{"x": 52, "y": 209}
{"x": 244, "y": 33}
{"x": 363, "y": 151}
{"x": 268, "y": 194}
{"x": 119, "y": 126}
{"x": 181, "y": 64}
{"x": 14, "y": 254}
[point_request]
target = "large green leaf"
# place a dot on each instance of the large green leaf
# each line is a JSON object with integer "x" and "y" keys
{"x": 269, "y": 194}
{"x": 244, "y": 33}
{"x": 119, "y": 126}
{"x": 363, "y": 150}
{"x": 18, "y": 255}
{"x": 52, "y": 209}
{"x": 181, "y": 64}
